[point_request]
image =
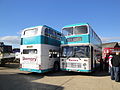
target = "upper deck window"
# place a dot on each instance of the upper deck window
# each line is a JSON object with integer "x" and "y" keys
{"x": 46, "y": 32}
{"x": 80, "y": 30}
{"x": 75, "y": 30}
{"x": 52, "y": 34}
{"x": 30, "y": 32}
{"x": 68, "y": 31}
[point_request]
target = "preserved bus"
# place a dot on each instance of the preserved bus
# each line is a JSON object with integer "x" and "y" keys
{"x": 39, "y": 49}
{"x": 109, "y": 51}
{"x": 80, "y": 48}
{"x": 106, "y": 55}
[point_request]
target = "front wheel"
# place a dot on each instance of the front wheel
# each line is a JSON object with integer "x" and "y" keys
{"x": 56, "y": 66}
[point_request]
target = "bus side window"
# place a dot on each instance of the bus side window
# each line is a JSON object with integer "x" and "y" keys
{"x": 56, "y": 54}
{"x": 50, "y": 54}
{"x": 55, "y": 35}
{"x": 50, "y": 32}
{"x": 58, "y": 36}
{"x": 46, "y": 32}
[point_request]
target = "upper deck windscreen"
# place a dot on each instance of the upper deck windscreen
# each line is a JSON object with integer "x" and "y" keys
{"x": 75, "y": 30}
{"x": 30, "y": 32}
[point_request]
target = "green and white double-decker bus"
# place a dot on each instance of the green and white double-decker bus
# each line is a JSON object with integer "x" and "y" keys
{"x": 80, "y": 48}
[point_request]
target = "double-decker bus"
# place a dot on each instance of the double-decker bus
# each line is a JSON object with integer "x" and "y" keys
{"x": 109, "y": 51}
{"x": 106, "y": 55}
{"x": 80, "y": 48}
{"x": 39, "y": 49}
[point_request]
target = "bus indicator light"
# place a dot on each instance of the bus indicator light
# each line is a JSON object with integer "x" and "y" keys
{"x": 29, "y": 46}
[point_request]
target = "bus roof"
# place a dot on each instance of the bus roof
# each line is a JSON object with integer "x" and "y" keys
{"x": 80, "y": 24}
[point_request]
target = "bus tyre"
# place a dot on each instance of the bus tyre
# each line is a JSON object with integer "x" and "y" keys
{"x": 95, "y": 66}
{"x": 2, "y": 63}
{"x": 56, "y": 66}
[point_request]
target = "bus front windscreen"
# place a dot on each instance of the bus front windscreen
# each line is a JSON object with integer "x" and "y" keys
{"x": 82, "y": 51}
{"x": 67, "y": 51}
{"x": 76, "y": 51}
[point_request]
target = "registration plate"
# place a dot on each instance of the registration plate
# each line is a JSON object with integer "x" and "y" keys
{"x": 74, "y": 65}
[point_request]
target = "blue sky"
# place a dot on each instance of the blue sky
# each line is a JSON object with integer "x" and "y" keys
{"x": 102, "y": 15}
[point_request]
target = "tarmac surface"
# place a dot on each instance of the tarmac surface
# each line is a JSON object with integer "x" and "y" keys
{"x": 11, "y": 78}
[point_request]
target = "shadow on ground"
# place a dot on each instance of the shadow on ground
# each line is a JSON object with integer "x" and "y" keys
{"x": 10, "y": 65}
{"x": 24, "y": 82}
{"x": 97, "y": 73}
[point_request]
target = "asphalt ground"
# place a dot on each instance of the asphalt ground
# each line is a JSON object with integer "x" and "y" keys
{"x": 11, "y": 78}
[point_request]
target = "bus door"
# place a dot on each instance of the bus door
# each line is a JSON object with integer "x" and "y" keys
{"x": 51, "y": 59}
{"x": 53, "y": 56}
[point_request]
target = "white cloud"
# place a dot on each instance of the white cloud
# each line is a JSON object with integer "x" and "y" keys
{"x": 108, "y": 39}
{"x": 13, "y": 40}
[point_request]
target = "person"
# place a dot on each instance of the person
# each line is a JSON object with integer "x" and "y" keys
{"x": 115, "y": 69}
{"x": 106, "y": 62}
{"x": 101, "y": 63}
{"x": 109, "y": 61}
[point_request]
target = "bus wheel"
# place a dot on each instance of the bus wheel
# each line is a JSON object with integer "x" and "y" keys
{"x": 2, "y": 63}
{"x": 56, "y": 66}
{"x": 95, "y": 67}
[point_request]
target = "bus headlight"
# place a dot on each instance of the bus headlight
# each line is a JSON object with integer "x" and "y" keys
{"x": 84, "y": 64}
{"x": 20, "y": 66}
{"x": 62, "y": 59}
{"x": 1, "y": 55}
